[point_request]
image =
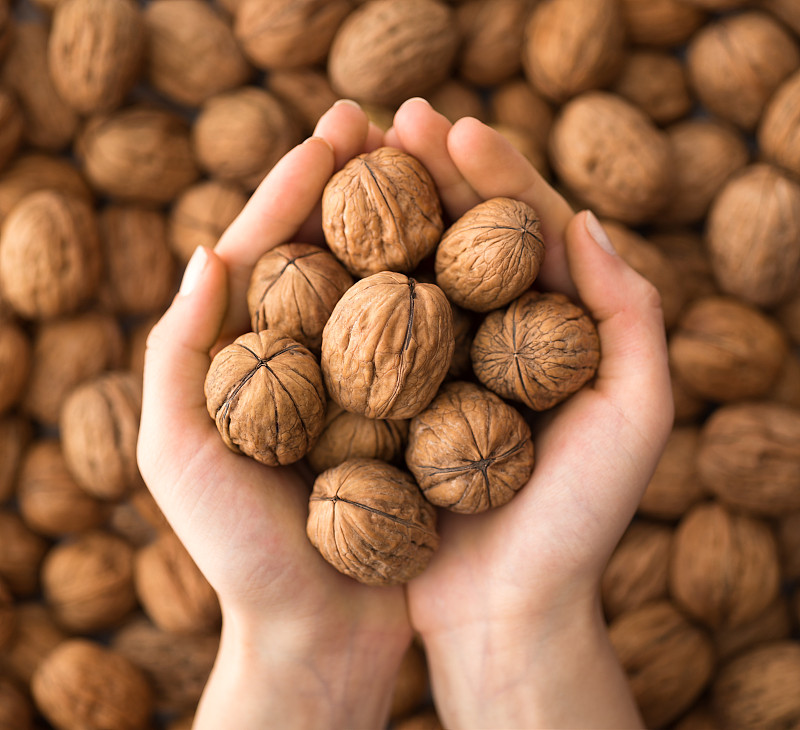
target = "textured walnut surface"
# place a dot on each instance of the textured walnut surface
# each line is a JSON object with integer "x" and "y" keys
{"x": 387, "y": 346}
{"x": 468, "y": 450}
{"x": 777, "y": 132}
{"x": 371, "y": 522}
{"x": 380, "y": 212}
{"x": 266, "y": 396}
{"x": 539, "y": 350}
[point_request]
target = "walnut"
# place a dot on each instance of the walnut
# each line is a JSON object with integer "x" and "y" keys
{"x": 522, "y": 141}
{"x": 137, "y": 344}
{"x": 239, "y": 135}
{"x": 610, "y": 155}
{"x": 138, "y": 518}
{"x": 539, "y": 351}
{"x": 307, "y": 93}
{"x": 387, "y": 346}
{"x": 385, "y": 52}
{"x": 50, "y": 255}
{"x": 573, "y": 46}
{"x": 348, "y": 435}
{"x": 736, "y": 63}
{"x": 748, "y": 457}
{"x": 786, "y": 10}
{"x": 49, "y": 499}
{"x": 517, "y": 104}
{"x": 463, "y": 334}
{"x": 50, "y": 124}
{"x": 99, "y": 427}
{"x": 177, "y": 666}
{"x": 779, "y": 131}
{"x": 370, "y": 521}
{"x": 724, "y": 567}
{"x": 381, "y": 212}
{"x": 454, "y": 99}
{"x": 7, "y": 22}
{"x": 192, "y": 53}
{"x": 788, "y": 314}
{"x": 490, "y": 255}
{"x": 411, "y": 685}
{"x": 265, "y": 394}
{"x": 84, "y": 684}
{"x": 66, "y": 352}
{"x": 15, "y": 361}
{"x": 138, "y": 154}
{"x": 788, "y": 534}
{"x": 468, "y": 450}
{"x": 200, "y": 215}
{"x": 294, "y": 288}
{"x": 757, "y": 690}
{"x": 668, "y": 660}
{"x": 786, "y": 387}
{"x": 7, "y": 617}
{"x": 12, "y": 124}
{"x": 661, "y": 23}
{"x": 637, "y": 571}
{"x": 87, "y": 580}
{"x": 716, "y": 5}
{"x": 491, "y": 39}
{"x": 687, "y": 253}
{"x": 21, "y": 554}
{"x": 172, "y": 590}
{"x": 288, "y": 33}
{"x": 16, "y": 710}
{"x": 95, "y": 52}
{"x": 15, "y": 433}
{"x": 36, "y": 634}
{"x": 772, "y": 624}
{"x": 423, "y": 720}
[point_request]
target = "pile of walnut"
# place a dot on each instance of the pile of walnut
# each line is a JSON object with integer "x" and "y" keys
{"x": 132, "y": 131}
{"x": 342, "y": 371}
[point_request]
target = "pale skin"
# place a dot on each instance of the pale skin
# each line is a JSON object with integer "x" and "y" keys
{"x": 508, "y": 609}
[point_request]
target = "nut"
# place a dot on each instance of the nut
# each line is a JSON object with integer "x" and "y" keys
{"x": 50, "y": 255}
{"x": 516, "y": 104}
{"x": 15, "y": 432}
{"x": 294, "y": 288}
{"x": 687, "y": 253}
{"x": 454, "y": 99}
{"x": 381, "y": 212}
{"x": 788, "y": 534}
{"x": 21, "y": 554}
{"x": 490, "y": 255}
{"x": 7, "y": 618}
{"x": 787, "y": 10}
{"x": 307, "y": 93}
{"x": 788, "y": 314}
{"x": 12, "y": 124}
{"x": 370, "y": 521}
{"x": 36, "y": 634}
{"x": 779, "y": 131}
{"x": 265, "y": 394}
{"x": 661, "y": 23}
{"x": 539, "y": 351}
{"x": 387, "y": 346}
{"x": 411, "y": 684}
{"x": 15, "y": 361}
{"x": 16, "y": 710}
{"x": 468, "y": 450}
{"x": 772, "y": 624}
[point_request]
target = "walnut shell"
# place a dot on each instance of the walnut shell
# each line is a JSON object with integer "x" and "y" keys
{"x": 383, "y": 532}
{"x": 788, "y": 534}
{"x": 539, "y": 351}
{"x": 736, "y": 63}
{"x": 87, "y": 580}
{"x": 749, "y": 454}
{"x": 15, "y": 433}
{"x": 516, "y": 104}
{"x": 15, "y": 361}
{"x": 307, "y": 93}
{"x": 753, "y": 236}
{"x": 288, "y": 33}
{"x": 455, "y": 99}
{"x": 411, "y": 684}
{"x": 757, "y": 690}
{"x": 724, "y": 567}
{"x": 660, "y": 23}
{"x": 786, "y": 10}
{"x": 786, "y": 388}
{"x": 668, "y": 660}
{"x": 200, "y": 215}
{"x": 16, "y": 710}
{"x": 21, "y": 554}
{"x": 12, "y": 124}
{"x": 50, "y": 255}
{"x": 36, "y": 634}
{"x": 381, "y": 212}
{"x": 348, "y": 435}
{"x": 788, "y": 314}
{"x": 138, "y": 154}
{"x": 99, "y": 427}
{"x": 772, "y": 624}
{"x": 687, "y": 253}
{"x": 294, "y": 288}
{"x": 424, "y": 720}
{"x": 655, "y": 81}
{"x": 239, "y": 135}
{"x": 84, "y": 684}
{"x": 192, "y": 53}
{"x": 95, "y": 51}
{"x": 468, "y": 450}
{"x": 779, "y": 130}
{"x": 573, "y": 46}
{"x": 49, "y": 499}
{"x": 724, "y": 349}
{"x": 172, "y": 590}
{"x": 265, "y": 394}
{"x": 610, "y": 155}
{"x": 385, "y": 52}
{"x": 7, "y": 23}
{"x": 490, "y": 255}
{"x": 387, "y": 346}
{"x": 7, "y": 618}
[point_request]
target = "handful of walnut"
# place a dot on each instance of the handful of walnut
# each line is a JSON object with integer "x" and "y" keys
{"x": 375, "y": 354}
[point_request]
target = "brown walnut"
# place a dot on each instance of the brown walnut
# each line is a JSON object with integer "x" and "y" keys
{"x": 412, "y": 683}
{"x": 517, "y": 104}
{"x": 265, "y": 394}
{"x": 468, "y": 450}
{"x": 456, "y": 99}
{"x": 539, "y": 350}
{"x": 490, "y": 255}
{"x": 15, "y": 433}
{"x": 294, "y": 288}
{"x": 660, "y": 23}
{"x": 686, "y": 251}
{"x": 381, "y": 212}
{"x": 779, "y": 131}
{"x": 307, "y": 93}
{"x": 15, "y": 362}
{"x": 16, "y": 709}
{"x": 7, "y": 618}
{"x": 12, "y": 124}
{"x": 370, "y": 521}
{"x": 21, "y": 554}
{"x": 387, "y": 346}
{"x": 36, "y": 634}
{"x": 772, "y": 624}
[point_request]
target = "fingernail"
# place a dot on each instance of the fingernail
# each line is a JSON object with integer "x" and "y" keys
{"x": 194, "y": 270}
{"x": 320, "y": 139}
{"x": 598, "y": 233}
{"x": 348, "y": 102}
{"x": 416, "y": 98}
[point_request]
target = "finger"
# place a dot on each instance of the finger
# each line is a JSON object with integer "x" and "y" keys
{"x": 345, "y": 126}
{"x": 493, "y": 168}
{"x": 423, "y": 132}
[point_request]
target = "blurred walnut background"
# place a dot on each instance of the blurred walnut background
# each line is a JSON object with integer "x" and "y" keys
{"x": 132, "y": 132}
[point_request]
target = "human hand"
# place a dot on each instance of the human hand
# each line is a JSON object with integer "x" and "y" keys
{"x": 509, "y": 607}
{"x": 302, "y": 645}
